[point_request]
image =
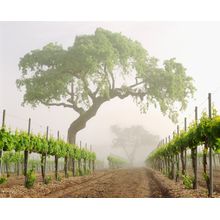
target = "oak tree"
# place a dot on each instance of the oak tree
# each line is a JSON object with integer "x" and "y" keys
{"x": 98, "y": 68}
{"x": 132, "y": 139}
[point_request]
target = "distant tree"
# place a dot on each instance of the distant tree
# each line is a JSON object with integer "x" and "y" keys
{"x": 131, "y": 139}
{"x": 98, "y": 68}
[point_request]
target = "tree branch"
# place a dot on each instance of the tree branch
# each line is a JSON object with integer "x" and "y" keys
{"x": 136, "y": 84}
{"x": 57, "y": 104}
{"x": 73, "y": 106}
{"x": 122, "y": 93}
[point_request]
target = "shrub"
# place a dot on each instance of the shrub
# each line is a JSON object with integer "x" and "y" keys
{"x": 188, "y": 181}
{"x": 47, "y": 179}
{"x": 31, "y": 177}
{"x": 3, "y": 179}
{"x": 59, "y": 178}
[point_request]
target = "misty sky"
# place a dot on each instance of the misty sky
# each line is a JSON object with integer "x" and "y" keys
{"x": 195, "y": 44}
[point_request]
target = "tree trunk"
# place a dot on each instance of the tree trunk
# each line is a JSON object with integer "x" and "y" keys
{"x": 81, "y": 121}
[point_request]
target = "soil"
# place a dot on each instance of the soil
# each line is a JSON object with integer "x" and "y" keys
{"x": 118, "y": 183}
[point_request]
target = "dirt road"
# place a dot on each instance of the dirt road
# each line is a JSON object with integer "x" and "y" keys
{"x": 124, "y": 183}
{"x": 120, "y": 183}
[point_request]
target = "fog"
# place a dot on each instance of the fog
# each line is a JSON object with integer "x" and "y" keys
{"x": 194, "y": 44}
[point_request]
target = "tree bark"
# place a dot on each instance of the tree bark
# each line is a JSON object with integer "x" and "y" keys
{"x": 83, "y": 118}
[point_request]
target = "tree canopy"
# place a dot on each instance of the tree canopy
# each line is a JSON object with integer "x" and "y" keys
{"x": 100, "y": 67}
{"x": 132, "y": 138}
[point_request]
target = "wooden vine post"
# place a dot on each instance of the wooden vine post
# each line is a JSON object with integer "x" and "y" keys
{"x": 93, "y": 163}
{"x": 210, "y": 151}
{"x": 66, "y": 166}
{"x": 185, "y": 152}
{"x": 85, "y": 160}
{"x": 173, "y": 163}
{"x": 26, "y": 156}
{"x": 57, "y": 158}
{"x": 177, "y": 159}
{"x": 90, "y": 149}
{"x": 79, "y": 160}
{"x": 45, "y": 155}
{"x": 194, "y": 153}
{"x": 1, "y": 151}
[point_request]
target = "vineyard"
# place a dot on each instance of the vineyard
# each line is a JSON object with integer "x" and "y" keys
{"x": 100, "y": 66}
{"x": 15, "y": 148}
{"x": 116, "y": 162}
{"x": 195, "y": 148}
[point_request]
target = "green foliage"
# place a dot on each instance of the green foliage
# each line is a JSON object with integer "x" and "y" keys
{"x": 59, "y": 178}
{"x": 3, "y": 179}
{"x": 93, "y": 66}
{"x": 13, "y": 143}
{"x": 79, "y": 172}
{"x": 47, "y": 180}
{"x": 206, "y": 129}
{"x": 116, "y": 161}
{"x": 31, "y": 178}
{"x": 206, "y": 177}
{"x": 188, "y": 181}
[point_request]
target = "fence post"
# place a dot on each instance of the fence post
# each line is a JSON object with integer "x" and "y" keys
{"x": 45, "y": 156}
{"x": 56, "y": 158}
{"x": 210, "y": 149}
{"x": 185, "y": 152}
{"x": 1, "y": 151}
{"x": 177, "y": 159}
{"x": 26, "y": 156}
{"x": 195, "y": 154}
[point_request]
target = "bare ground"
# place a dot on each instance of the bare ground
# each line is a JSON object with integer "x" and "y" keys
{"x": 121, "y": 183}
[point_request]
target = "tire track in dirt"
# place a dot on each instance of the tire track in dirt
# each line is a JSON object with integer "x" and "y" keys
{"x": 75, "y": 187}
{"x": 122, "y": 183}
{"x": 157, "y": 190}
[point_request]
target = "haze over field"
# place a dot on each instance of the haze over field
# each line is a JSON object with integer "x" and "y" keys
{"x": 194, "y": 44}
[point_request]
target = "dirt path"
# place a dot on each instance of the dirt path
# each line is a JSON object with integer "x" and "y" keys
{"x": 123, "y": 183}
{"x": 120, "y": 183}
